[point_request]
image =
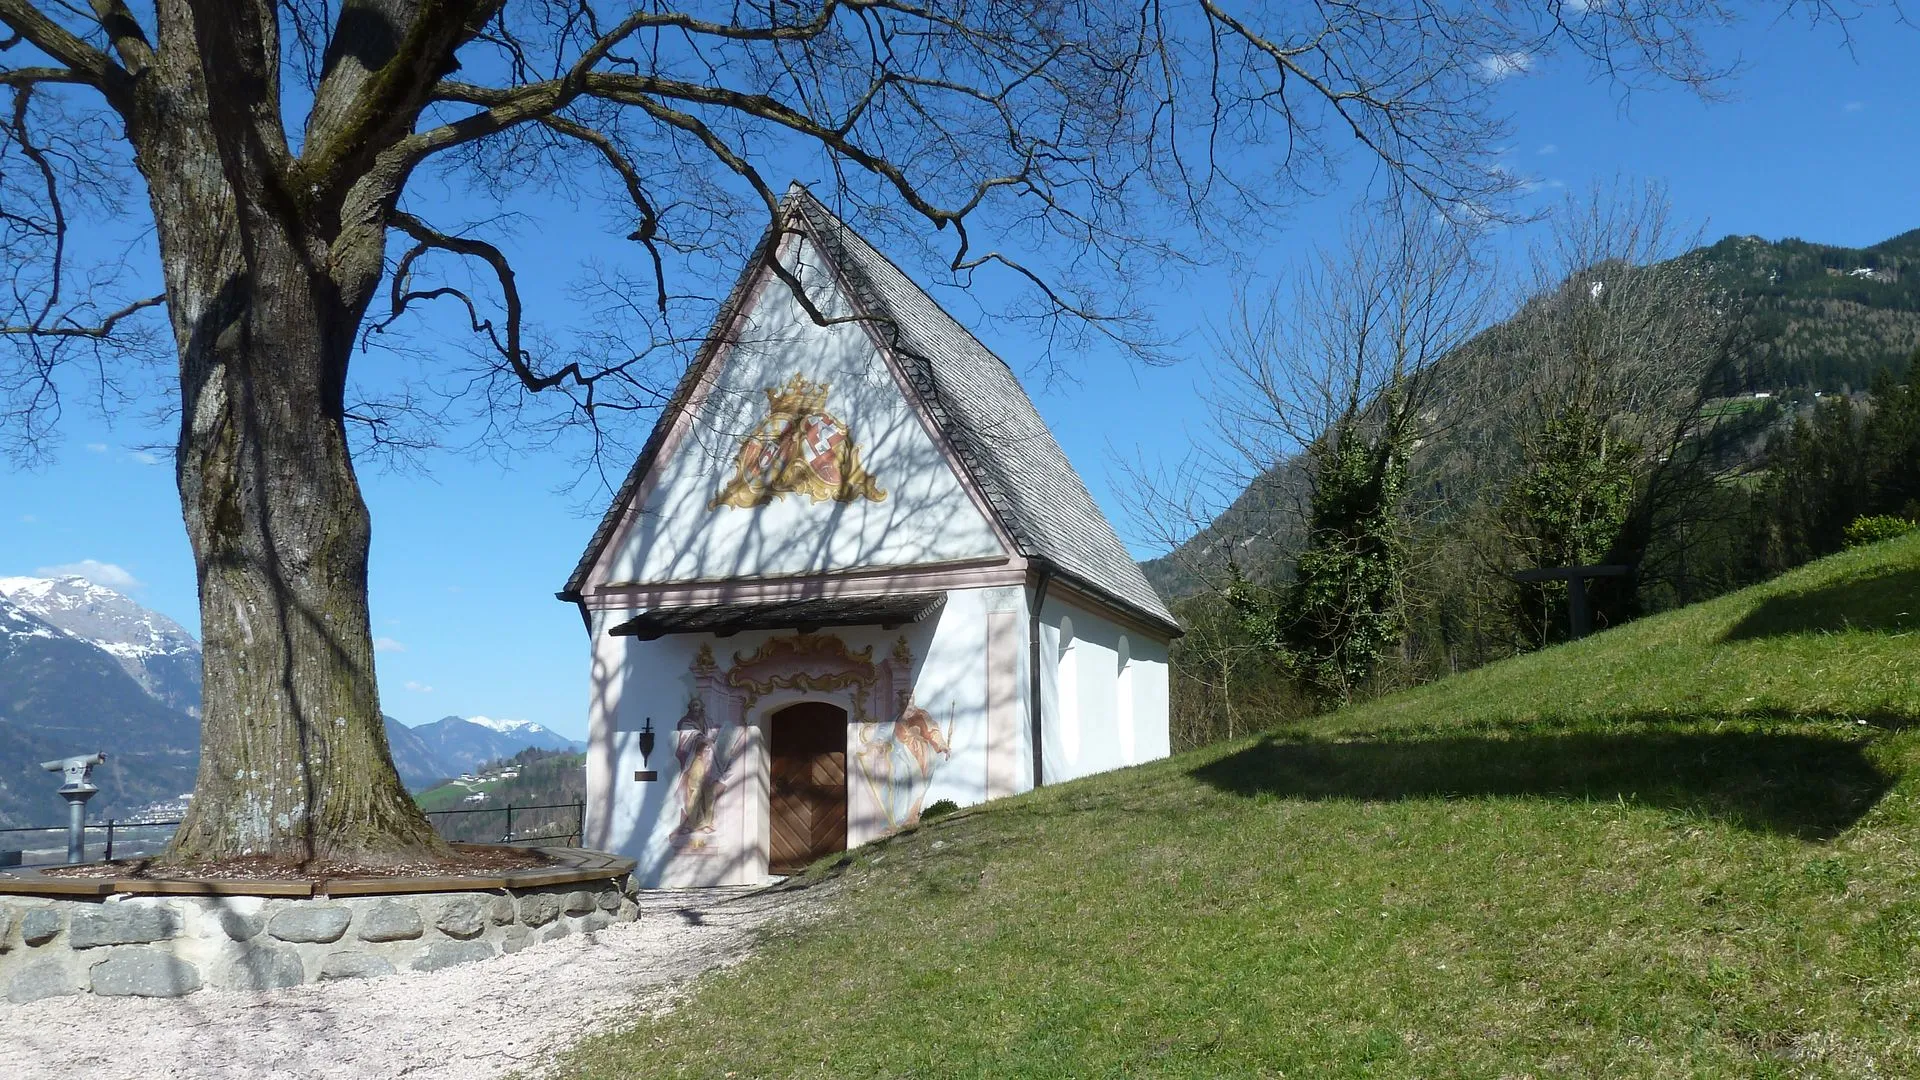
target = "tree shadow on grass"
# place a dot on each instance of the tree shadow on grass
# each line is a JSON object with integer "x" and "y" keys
{"x": 1803, "y": 785}
{"x": 1889, "y": 603}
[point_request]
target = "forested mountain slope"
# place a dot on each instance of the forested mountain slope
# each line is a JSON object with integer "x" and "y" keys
{"x": 1817, "y": 319}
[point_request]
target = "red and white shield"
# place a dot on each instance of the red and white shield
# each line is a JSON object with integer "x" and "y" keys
{"x": 768, "y": 459}
{"x": 823, "y": 438}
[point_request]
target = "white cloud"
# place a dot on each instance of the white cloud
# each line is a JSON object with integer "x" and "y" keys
{"x": 387, "y": 644}
{"x": 97, "y": 447}
{"x": 1548, "y": 149}
{"x": 145, "y": 457}
{"x": 100, "y": 573}
{"x": 1854, "y": 106}
{"x": 418, "y": 687}
{"x": 1505, "y": 65}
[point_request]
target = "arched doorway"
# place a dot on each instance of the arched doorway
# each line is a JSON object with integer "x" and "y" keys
{"x": 806, "y": 785}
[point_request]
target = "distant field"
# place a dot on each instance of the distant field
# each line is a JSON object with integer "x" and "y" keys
{"x": 1684, "y": 848}
{"x": 452, "y": 795}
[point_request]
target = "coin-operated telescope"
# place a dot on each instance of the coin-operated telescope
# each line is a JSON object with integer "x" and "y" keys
{"x": 76, "y": 787}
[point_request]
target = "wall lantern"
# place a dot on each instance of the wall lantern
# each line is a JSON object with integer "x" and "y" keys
{"x": 646, "y": 751}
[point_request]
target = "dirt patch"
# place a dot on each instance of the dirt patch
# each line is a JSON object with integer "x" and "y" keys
{"x": 480, "y": 1020}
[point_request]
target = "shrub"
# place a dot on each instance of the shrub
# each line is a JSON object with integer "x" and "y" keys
{"x": 1873, "y": 528}
{"x": 939, "y": 809}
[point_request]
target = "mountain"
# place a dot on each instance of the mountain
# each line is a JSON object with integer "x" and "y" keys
{"x": 1819, "y": 317}
{"x": 84, "y": 668}
{"x": 59, "y": 696}
{"x": 418, "y": 765}
{"x": 151, "y": 648}
{"x": 1822, "y": 317}
{"x": 463, "y": 744}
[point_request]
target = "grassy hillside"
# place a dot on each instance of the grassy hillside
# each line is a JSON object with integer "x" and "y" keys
{"x": 533, "y": 777}
{"x": 1683, "y": 848}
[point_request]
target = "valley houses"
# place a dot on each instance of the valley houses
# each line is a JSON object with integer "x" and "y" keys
{"x": 850, "y": 575}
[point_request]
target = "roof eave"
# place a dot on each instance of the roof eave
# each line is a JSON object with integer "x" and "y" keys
{"x": 1119, "y": 603}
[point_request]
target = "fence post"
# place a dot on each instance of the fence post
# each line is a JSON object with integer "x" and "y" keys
{"x": 109, "y": 839}
{"x": 508, "y": 839}
{"x": 580, "y": 823}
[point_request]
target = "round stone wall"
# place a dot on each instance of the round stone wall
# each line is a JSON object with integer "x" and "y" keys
{"x": 166, "y": 946}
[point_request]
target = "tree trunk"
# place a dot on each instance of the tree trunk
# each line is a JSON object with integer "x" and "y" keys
{"x": 294, "y": 763}
{"x": 294, "y": 758}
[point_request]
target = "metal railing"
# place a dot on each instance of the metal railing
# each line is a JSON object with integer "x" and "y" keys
{"x": 145, "y": 837}
{"x": 507, "y": 834}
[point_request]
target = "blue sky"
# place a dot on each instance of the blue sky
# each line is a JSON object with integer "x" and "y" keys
{"x": 1816, "y": 142}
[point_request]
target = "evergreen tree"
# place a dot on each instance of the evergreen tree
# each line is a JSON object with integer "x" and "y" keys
{"x": 1341, "y": 614}
{"x": 1817, "y": 482}
{"x": 1890, "y": 443}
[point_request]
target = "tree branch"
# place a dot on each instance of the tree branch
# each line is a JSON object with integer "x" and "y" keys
{"x": 427, "y": 237}
{"x": 31, "y": 76}
{"x": 101, "y": 329}
{"x": 94, "y": 67}
{"x": 361, "y": 110}
{"x": 124, "y": 31}
{"x": 648, "y": 232}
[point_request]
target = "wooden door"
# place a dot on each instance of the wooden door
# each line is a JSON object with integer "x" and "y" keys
{"x": 807, "y": 785}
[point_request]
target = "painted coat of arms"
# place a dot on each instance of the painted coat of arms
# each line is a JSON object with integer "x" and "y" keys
{"x": 799, "y": 448}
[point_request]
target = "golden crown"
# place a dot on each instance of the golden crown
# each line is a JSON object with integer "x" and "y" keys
{"x": 799, "y": 395}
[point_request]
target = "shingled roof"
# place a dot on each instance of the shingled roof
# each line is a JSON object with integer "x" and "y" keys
{"x": 975, "y": 399}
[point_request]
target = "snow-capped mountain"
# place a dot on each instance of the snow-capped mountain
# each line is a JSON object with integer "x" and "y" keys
{"x": 15, "y": 623}
{"x": 156, "y": 651}
{"x": 61, "y": 695}
{"x": 85, "y": 668}
{"x": 507, "y": 727}
{"x": 462, "y": 744}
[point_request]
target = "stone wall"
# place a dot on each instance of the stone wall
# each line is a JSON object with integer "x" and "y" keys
{"x": 165, "y": 946}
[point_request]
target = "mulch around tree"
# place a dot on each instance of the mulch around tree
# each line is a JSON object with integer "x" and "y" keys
{"x": 476, "y": 860}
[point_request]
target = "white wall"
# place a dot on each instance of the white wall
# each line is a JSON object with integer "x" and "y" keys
{"x": 634, "y": 680}
{"x": 926, "y": 515}
{"x": 1093, "y": 741}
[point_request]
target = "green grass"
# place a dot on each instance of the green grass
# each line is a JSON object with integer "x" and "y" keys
{"x": 1684, "y": 848}
{"x": 452, "y": 795}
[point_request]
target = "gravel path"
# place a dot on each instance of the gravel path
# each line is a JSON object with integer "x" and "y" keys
{"x": 479, "y": 1020}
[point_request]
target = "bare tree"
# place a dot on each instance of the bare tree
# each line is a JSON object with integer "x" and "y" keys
{"x": 275, "y": 151}
{"x": 1354, "y": 336}
{"x": 1334, "y": 381}
{"x": 1611, "y": 365}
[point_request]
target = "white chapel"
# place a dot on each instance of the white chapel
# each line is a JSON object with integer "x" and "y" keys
{"x": 851, "y": 574}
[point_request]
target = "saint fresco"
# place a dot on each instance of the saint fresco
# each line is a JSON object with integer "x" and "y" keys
{"x": 897, "y": 760}
{"x": 703, "y": 776}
